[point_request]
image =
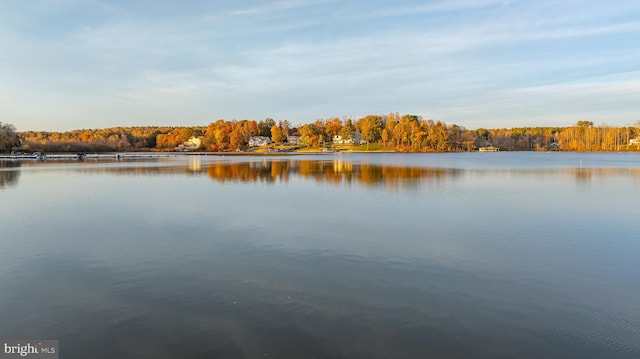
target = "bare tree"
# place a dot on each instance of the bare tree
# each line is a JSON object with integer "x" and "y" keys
{"x": 8, "y": 137}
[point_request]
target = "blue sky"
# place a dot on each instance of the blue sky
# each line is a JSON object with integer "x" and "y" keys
{"x": 67, "y": 64}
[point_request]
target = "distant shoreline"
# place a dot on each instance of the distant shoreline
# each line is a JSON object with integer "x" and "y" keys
{"x": 156, "y": 154}
{"x": 372, "y": 133}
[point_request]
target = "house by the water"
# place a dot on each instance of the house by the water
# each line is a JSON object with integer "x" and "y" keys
{"x": 355, "y": 140}
{"x": 255, "y": 141}
{"x": 293, "y": 139}
{"x": 191, "y": 144}
{"x": 489, "y": 149}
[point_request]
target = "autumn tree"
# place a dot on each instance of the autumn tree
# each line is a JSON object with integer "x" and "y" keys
{"x": 585, "y": 124}
{"x": 264, "y": 127}
{"x": 285, "y": 126}
{"x": 348, "y": 131}
{"x": 333, "y": 127}
{"x": 438, "y": 137}
{"x": 370, "y": 128}
{"x": 277, "y": 136}
{"x": 312, "y": 134}
{"x": 236, "y": 140}
{"x": 386, "y": 135}
{"x": 217, "y": 134}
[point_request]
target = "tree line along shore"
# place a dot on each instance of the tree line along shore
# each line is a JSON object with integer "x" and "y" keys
{"x": 392, "y": 132}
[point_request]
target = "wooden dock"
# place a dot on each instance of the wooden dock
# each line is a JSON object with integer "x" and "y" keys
{"x": 139, "y": 155}
{"x": 95, "y": 156}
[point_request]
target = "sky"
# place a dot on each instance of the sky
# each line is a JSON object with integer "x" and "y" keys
{"x": 72, "y": 64}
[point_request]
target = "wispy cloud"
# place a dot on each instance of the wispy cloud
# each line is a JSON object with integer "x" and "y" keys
{"x": 429, "y": 8}
{"x": 271, "y": 7}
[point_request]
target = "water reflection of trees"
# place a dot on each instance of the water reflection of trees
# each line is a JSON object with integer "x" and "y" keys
{"x": 582, "y": 175}
{"x": 9, "y": 173}
{"x": 336, "y": 172}
{"x": 585, "y": 175}
{"x": 340, "y": 172}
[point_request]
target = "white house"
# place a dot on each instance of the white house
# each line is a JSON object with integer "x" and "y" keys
{"x": 293, "y": 139}
{"x": 635, "y": 141}
{"x": 191, "y": 144}
{"x": 337, "y": 139}
{"x": 489, "y": 149}
{"x": 259, "y": 141}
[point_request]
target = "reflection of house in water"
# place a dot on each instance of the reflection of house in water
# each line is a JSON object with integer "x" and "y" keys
{"x": 342, "y": 166}
{"x": 195, "y": 164}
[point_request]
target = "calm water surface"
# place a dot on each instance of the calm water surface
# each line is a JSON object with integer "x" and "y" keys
{"x": 500, "y": 255}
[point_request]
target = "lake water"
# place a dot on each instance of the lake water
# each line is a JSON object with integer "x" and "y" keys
{"x": 474, "y": 255}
